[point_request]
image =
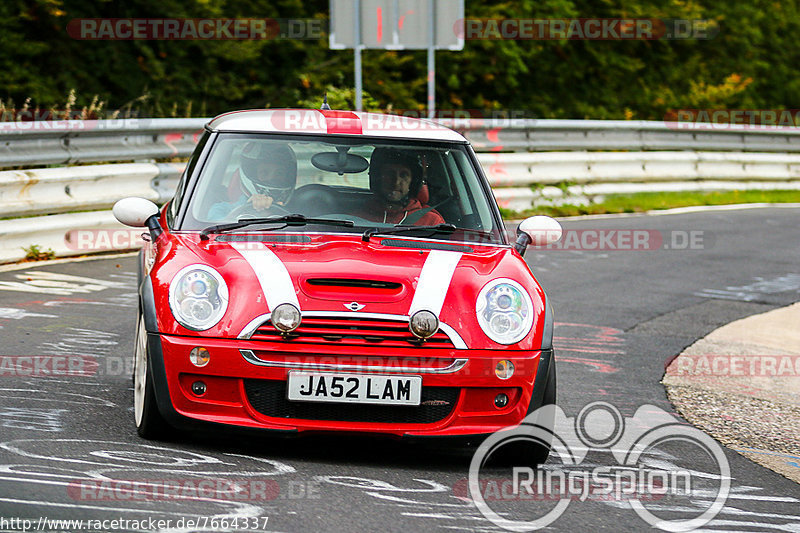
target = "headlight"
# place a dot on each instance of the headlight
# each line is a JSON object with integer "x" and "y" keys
{"x": 198, "y": 297}
{"x": 504, "y": 310}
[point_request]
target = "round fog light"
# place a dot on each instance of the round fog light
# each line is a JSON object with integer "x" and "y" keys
{"x": 198, "y": 388}
{"x": 285, "y": 318}
{"x": 504, "y": 369}
{"x": 199, "y": 356}
{"x": 500, "y": 401}
{"x": 423, "y": 324}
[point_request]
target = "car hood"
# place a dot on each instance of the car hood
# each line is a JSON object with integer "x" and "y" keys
{"x": 343, "y": 274}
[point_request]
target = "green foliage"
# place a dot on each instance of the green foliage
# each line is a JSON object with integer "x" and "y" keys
{"x": 650, "y": 201}
{"x": 750, "y": 64}
{"x": 340, "y": 98}
{"x": 35, "y": 253}
{"x": 508, "y": 214}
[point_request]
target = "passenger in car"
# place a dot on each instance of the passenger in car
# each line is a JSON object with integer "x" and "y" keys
{"x": 399, "y": 195}
{"x": 267, "y": 175}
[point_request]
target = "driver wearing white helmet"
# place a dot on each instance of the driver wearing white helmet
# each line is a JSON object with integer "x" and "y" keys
{"x": 267, "y": 176}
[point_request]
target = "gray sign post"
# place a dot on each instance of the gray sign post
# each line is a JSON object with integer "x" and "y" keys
{"x": 397, "y": 25}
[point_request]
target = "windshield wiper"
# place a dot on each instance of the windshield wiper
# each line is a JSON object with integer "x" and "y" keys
{"x": 439, "y": 228}
{"x": 286, "y": 220}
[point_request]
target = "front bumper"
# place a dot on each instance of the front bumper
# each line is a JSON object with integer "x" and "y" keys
{"x": 242, "y": 392}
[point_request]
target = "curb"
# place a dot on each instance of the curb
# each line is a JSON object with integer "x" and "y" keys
{"x": 741, "y": 384}
{"x": 11, "y": 267}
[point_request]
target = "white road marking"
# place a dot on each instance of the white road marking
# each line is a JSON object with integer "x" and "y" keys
{"x": 18, "y": 314}
{"x": 32, "y": 418}
{"x": 57, "y": 284}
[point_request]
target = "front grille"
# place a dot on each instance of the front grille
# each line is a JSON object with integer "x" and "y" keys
{"x": 268, "y": 397}
{"x": 352, "y": 331}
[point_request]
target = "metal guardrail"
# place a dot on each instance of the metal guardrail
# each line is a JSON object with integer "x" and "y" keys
{"x": 70, "y": 142}
{"x": 89, "y": 141}
{"x": 66, "y": 234}
{"x": 657, "y": 156}
{"x": 514, "y": 169}
{"x": 59, "y": 190}
{"x": 580, "y": 177}
{"x": 634, "y": 135}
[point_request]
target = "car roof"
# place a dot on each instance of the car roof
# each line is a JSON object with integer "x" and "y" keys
{"x": 327, "y": 122}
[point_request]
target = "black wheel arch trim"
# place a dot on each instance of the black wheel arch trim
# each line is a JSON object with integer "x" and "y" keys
{"x": 158, "y": 373}
{"x": 546, "y": 359}
{"x": 546, "y": 366}
{"x": 547, "y": 333}
{"x": 148, "y": 304}
{"x": 139, "y": 268}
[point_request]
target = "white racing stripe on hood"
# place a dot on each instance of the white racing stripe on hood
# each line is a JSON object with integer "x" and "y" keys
{"x": 434, "y": 281}
{"x": 272, "y": 275}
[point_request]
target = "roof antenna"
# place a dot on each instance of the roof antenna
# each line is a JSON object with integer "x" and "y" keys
{"x": 325, "y": 105}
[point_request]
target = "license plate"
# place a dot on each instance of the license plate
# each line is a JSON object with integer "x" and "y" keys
{"x": 354, "y": 388}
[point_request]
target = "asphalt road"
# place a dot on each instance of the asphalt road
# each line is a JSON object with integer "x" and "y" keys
{"x": 620, "y": 315}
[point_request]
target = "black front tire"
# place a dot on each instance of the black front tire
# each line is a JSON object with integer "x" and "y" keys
{"x": 150, "y": 424}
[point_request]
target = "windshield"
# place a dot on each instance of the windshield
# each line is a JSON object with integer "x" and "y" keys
{"x": 381, "y": 184}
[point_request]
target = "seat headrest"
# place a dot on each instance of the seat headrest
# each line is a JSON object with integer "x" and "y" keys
{"x": 423, "y": 195}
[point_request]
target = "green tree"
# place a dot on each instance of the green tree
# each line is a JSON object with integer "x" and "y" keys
{"x": 749, "y": 64}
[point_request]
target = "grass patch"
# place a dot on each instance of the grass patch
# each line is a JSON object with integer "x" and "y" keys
{"x": 649, "y": 201}
{"x": 35, "y": 253}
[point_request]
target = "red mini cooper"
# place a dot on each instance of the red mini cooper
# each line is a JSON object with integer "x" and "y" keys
{"x": 324, "y": 270}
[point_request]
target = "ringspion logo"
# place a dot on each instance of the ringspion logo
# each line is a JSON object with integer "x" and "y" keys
{"x": 652, "y": 462}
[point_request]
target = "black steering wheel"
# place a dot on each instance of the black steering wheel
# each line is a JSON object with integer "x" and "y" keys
{"x": 248, "y": 209}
